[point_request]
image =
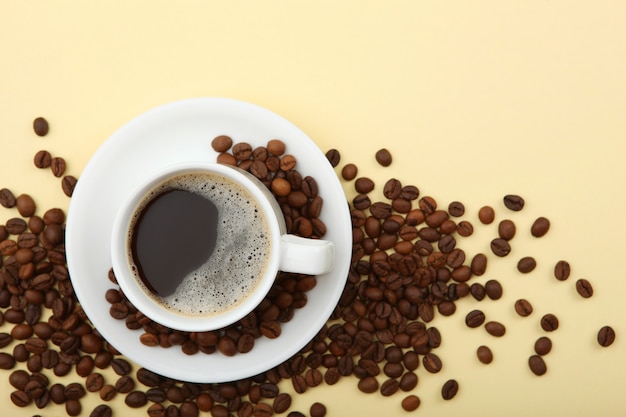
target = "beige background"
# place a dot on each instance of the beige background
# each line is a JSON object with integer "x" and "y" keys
{"x": 474, "y": 99}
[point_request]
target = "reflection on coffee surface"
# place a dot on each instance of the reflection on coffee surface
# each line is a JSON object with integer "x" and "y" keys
{"x": 199, "y": 244}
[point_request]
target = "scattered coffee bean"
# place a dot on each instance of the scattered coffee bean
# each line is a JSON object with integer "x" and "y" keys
{"x": 543, "y": 345}
{"x": 57, "y": 165}
{"x": 334, "y": 157}
{"x": 484, "y": 354}
{"x": 449, "y": 389}
{"x": 562, "y": 270}
{"x": 102, "y": 410}
{"x": 25, "y": 205}
{"x": 495, "y": 328}
{"x": 474, "y": 318}
{"x": 317, "y": 410}
{"x": 549, "y": 322}
{"x": 349, "y": 172}
{"x": 276, "y": 147}
{"x": 526, "y": 264}
{"x": 42, "y": 159}
{"x": 540, "y": 227}
{"x": 506, "y": 229}
{"x": 537, "y": 365}
{"x": 383, "y": 157}
{"x": 68, "y": 184}
{"x": 41, "y": 126}
{"x": 410, "y": 403}
{"x": 221, "y": 143}
{"x": 364, "y": 185}
{"x": 606, "y": 336}
{"x": 456, "y": 209}
{"x": 136, "y": 399}
{"x": 513, "y": 202}
{"x": 368, "y": 385}
{"x": 486, "y": 215}
{"x": 500, "y": 247}
{"x": 523, "y": 307}
{"x": 493, "y": 289}
{"x": 432, "y": 362}
{"x": 584, "y": 288}
{"x": 7, "y": 199}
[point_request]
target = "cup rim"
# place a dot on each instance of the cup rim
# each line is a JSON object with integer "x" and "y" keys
{"x": 148, "y": 305}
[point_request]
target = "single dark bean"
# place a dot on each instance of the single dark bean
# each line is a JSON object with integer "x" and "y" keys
{"x": 221, "y": 143}
{"x": 495, "y": 328}
{"x": 474, "y": 318}
{"x": 389, "y": 387}
{"x": 107, "y": 393}
{"x": 334, "y": 157}
{"x": 543, "y": 345}
{"x": 281, "y": 403}
{"x": 368, "y": 385}
{"x": 25, "y": 205}
{"x": 125, "y": 384}
{"x": 540, "y": 227}
{"x": 493, "y": 289}
{"x": 68, "y": 184}
{"x": 410, "y": 403}
{"x": 523, "y": 307}
{"x": 549, "y": 322}
{"x": 562, "y": 270}
{"x": 606, "y": 336}
{"x": 449, "y": 389}
{"x": 513, "y": 202}
{"x": 456, "y": 209}
{"x": 500, "y": 247}
{"x": 20, "y": 398}
{"x": 7, "y": 198}
{"x": 486, "y": 215}
{"x": 363, "y": 185}
{"x": 42, "y": 159}
{"x": 94, "y": 382}
{"x": 41, "y": 126}
{"x": 432, "y": 362}
{"x": 383, "y": 157}
{"x": 537, "y": 365}
{"x": 465, "y": 228}
{"x": 478, "y": 264}
{"x": 101, "y": 410}
{"x": 136, "y": 399}
{"x": 57, "y": 166}
{"x": 317, "y": 410}
{"x": 506, "y": 229}
{"x": 392, "y": 188}
{"x": 121, "y": 366}
{"x": 584, "y": 288}
{"x": 484, "y": 354}
{"x": 349, "y": 172}
{"x": 526, "y": 264}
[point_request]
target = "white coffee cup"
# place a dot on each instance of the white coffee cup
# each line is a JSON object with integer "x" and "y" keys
{"x": 286, "y": 252}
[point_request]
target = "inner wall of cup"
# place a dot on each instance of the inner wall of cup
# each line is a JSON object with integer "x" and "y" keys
{"x": 152, "y": 306}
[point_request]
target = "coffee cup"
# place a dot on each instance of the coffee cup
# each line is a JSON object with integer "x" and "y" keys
{"x": 197, "y": 246}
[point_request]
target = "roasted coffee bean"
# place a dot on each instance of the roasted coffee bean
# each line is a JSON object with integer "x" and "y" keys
{"x": 493, "y": 289}
{"x": 41, "y": 126}
{"x": 57, "y": 165}
{"x": 562, "y": 270}
{"x": 18, "y": 379}
{"x": 361, "y": 202}
{"x": 389, "y": 387}
{"x": 495, "y": 328}
{"x": 537, "y": 365}
{"x": 526, "y": 264}
{"x": 549, "y": 322}
{"x": 221, "y": 143}
{"x": 21, "y": 331}
{"x": 227, "y": 159}
{"x": 432, "y": 362}
{"x": 486, "y": 215}
{"x": 465, "y": 228}
{"x": 42, "y": 159}
{"x": 392, "y": 188}
{"x": 474, "y": 318}
{"x": 540, "y": 227}
{"x": 606, "y": 336}
{"x": 94, "y": 382}
{"x": 104, "y": 410}
{"x": 7, "y": 198}
{"x": 124, "y": 384}
{"x": 368, "y": 385}
{"x": 449, "y": 389}
{"x": 506, "y": 229}
{"x": 428, "y": 205}
{"x": 281, "y": 403}
{"x": 408, "y": 381}
{"x": 121, "y": 366}
{"x": 242, "y": 151}
{"x": 484, "y": 354}
{"x": 383, "y": 157}
{"x": 74, "y": 391}
{"x": 363, "y": 185}
{"x": 5, "y": 339}
{"x": 513, "y": 202}
{"x": 478, "y": 265}
{"x": 107, "y": 393}
{"x": 136, "y": 399}
{"x": 410, "y": 403}
{"x": 16, "y": 225}
{"x": 276, "y": 147}
{"x": 380, "y": 210}
{"x": 584, "y": 288}
{"x": 349, "y": 172}
{"x": 68, "y": 184}
{"x": 20, "y": 398}
{"x": 500, "y": 247}
{"x": 523, "y": 307}
{"x": 333, "y": 156}
{"x": 543, "y": 345}
{"x": 456, "y": 209}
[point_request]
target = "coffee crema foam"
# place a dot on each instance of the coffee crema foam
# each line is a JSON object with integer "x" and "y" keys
{"x": 241, "y": 253}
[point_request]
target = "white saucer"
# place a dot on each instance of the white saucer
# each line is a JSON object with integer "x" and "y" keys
{"x": 177, "y": 132}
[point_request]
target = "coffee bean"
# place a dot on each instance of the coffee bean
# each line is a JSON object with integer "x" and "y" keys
{"x": 281, "y": 403}
{"x": 513, "y": 202}
{"x": 523, "y": 307}
{"x": 549, "y": 322}
{"x": 456, "y": 209}
{"x": 57, "y": 166}
{"x": 227, "y": 159}
{"x": 68, "y": 184}
{"x": 368, "y": 385}
{"x": 449, "y": 389}
{"x": 500, "y": 247}
{"x": 484, "y": 354}
{"x": 7, "y": 199}
{"x": 41, "y": 126}
{"x": 526, "y": 264}
{"x": 495, "y": 328}
{"x": 584, "y": 288}
{"x": 349, "y": 172}
{"x": 334, "y": 157}
{"x": 486, "y": 215}
{"x": 432, "y": 362}
{"x": 606, "y": 336}
{"x": 543, "y": 345}
{"x": 317, "y": 410}
{"x": 478, "y": 265}
{"x": 389, "y": 387}
{"x": 25, "y": 205}
{"x": 381, "y": 210}
{"x": 383, "y": 157}
{"x": 276, "y": 147}
{"x": 540, "y": 227}
{"x": 102, "y": 410}
{"x": 363, "y": 185}
{"x": 107, "y": 393}
{"x": 410, "y": 403}
{"x": 474, "y": 318}
{"x": 121, "y": 366}
{"x": 20, "y": 398}
{"x": 493, "y": 289}
{"x": 506, "y": 229}
{"x": 136, "y": 399}
{"x": 537, "y": 365}
{"x": 94, "y": 382}
{"x": 465, "y": 228}
{"x": 42, "y": 159}
{"x": 124, "y": 384}
{"x": 221, "y": 143}
{"x": 562, "y": 270}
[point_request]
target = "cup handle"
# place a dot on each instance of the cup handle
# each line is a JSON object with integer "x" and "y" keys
{"x": 306, "y": 256}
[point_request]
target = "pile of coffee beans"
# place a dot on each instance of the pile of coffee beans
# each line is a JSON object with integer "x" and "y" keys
{"x": 408, "y": 266}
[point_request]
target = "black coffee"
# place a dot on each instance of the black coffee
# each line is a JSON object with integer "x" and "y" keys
{"x": 199, "y": 244}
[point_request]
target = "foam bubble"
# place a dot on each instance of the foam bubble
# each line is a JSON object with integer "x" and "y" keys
{"x": 240, "y": 256}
